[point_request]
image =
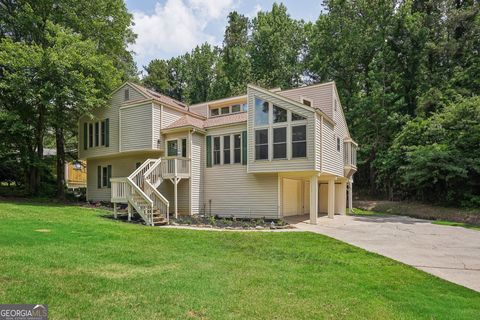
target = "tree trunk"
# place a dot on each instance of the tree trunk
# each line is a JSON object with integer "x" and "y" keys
{"x": 60, "y": 143}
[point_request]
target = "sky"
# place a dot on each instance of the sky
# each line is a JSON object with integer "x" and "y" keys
{"x": 168, "y": 28}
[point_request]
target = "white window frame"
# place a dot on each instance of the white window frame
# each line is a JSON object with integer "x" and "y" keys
{"x": 270, "y": 126}
{"x": 178, "y": 146}
{"x": 222, "y": 149}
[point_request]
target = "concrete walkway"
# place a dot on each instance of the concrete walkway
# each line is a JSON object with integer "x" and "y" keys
{"x": 451, "y": 253}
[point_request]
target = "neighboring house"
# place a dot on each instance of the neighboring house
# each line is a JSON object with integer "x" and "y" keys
{"x": 269, "y": 153}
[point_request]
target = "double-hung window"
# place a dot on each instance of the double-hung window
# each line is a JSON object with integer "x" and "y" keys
{"x": 261, "y": 144}
{"x": 97, "y": 134}
{"x": 226, "y": 149}
{"x": 90, "y": 135}
{"x": 216, "y": 150}
{"x": 280, "y": 143}
{"x": 237, "y": 149}
{"x": 299, "y": 141}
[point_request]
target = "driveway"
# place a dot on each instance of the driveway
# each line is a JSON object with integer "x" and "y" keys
{"x": 451, "y": 253}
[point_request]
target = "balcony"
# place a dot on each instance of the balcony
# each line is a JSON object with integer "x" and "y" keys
{"x": 349, "y": 157}
{"x": 175, "y": 168}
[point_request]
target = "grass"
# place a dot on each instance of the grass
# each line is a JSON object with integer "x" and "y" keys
{"x": 457, "y": 224}
{"x": 84, "y": 265}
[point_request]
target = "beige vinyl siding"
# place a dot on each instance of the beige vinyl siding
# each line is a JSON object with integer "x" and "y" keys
{"x": 320, "y": 95}
{"x": 169, "y": 116}
{"x": 135, "y": 127}
{"x": 341, "y": 130}
{"x": 156, "y": 121}
{"x": 330, "y": 158}
{"x": 121, "y": 167}
{"x": 318, "y": 142}
{"x": 301, "y": 164}
{"x": 230, "y": 190}
{"x": 197, "y": 163}
{"x": 112, "y": 113}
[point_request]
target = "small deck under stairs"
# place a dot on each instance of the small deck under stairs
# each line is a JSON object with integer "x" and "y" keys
{"x": 140, "y": 190}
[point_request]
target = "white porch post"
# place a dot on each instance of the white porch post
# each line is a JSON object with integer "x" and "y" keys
{"x": 129, "y": 212}
{"x": 343, "y": 198}
{"x": 176, "y": 189}
{"x": 115, "y": 210}
{"x": 331, "y": 197}
{"x": 350, "y": 197}
{"x": 313, "y": 199}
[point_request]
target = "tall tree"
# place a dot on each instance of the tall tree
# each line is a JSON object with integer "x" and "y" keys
{"x": 277, "y": 43}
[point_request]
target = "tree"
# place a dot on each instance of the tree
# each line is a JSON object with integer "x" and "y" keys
{"x": 277, "y": 42}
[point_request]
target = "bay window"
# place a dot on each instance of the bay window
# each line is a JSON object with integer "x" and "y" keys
{"x": 172, "y": 148}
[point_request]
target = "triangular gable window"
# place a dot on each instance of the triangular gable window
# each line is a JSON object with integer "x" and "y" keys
{"x": 297, "y": 117}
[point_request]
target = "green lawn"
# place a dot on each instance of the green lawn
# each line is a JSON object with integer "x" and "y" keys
{"x": 86, "y": 266}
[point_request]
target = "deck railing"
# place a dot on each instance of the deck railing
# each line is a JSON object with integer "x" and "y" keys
{"x": 175, "y": 167}
{"x": 119, "y": 190}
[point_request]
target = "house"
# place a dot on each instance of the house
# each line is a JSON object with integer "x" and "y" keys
{"x": 268, "y": 153}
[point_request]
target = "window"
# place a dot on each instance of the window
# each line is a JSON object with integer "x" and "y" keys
{"x": 216, "y": 150}
{"x": 235, "y": 108}
{"x": 335, "y": 104}
{"x": 244, "y": 107}
{"x": 102, "y": 127}
{"x": 172, "y": 148}
{"x": 214, "y": 112}
{"x": 261, "y": 112}
{"x": 225, "y": 110}
{"x": 237, "y": 149}
{"x": 126, "y": 94}
{"x": 226, "y": 149}
{"x": 297, "y": 117}
{"x": 184, "y": 148}
{"x": 338, "y": 144}
{"x": 105, "y": 177}
{"x": 299, "y": 141}
{"x": 280, "y": 143}
{"x": 307, "y": 102}
{"x": 137, "y": 165}
{"x": 279, "y": 114}
{"x": 261, "y": 144}
{"x": 97, "y": 134}
{"x": 90, "y": 135}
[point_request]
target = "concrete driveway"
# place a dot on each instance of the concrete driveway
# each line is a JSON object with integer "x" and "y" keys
{"x": 451, "y": 253}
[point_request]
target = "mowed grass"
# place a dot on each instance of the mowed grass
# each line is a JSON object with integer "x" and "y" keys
{"x": 86, "y": 266}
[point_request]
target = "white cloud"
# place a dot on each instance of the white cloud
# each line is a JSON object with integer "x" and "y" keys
{"x": 175, "y": 27}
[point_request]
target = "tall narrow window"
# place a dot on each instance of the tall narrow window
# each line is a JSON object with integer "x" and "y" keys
{"x": 261, "y": 144}
{"x": 102, "y": 131}
{"x": 105, "y": 176}
{"x": 184, "y": 148}
{"x": 126, "y": 94}
{"x": 237, "y": 149}
{"x": 299, "y": 141}
{"x": 338, "y": 144}
{"x": 226, "y": 149}
{"x": 279, "y": 114}
{"x": 99, "y": 177}
{"x": 261, "y": 112}
{"x": 97, "y": 134}
{"x": 216, "y": 150}
{"x": 172, "y": 148}
{"x": 280, "y": 143}
{"x": 90, "y": 135}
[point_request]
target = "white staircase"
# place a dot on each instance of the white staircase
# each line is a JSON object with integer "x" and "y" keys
{"x": 140, "y": 189}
